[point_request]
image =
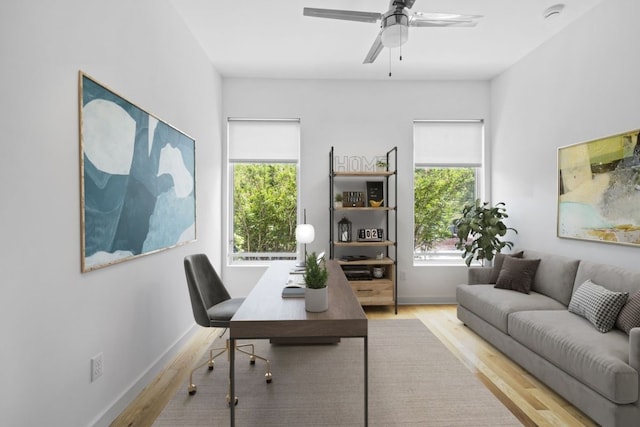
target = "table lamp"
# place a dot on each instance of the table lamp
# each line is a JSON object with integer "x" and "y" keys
{"x": 305, "y": 233}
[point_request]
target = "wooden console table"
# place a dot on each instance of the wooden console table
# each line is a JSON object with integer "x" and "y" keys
{"x": 265, "y": 315}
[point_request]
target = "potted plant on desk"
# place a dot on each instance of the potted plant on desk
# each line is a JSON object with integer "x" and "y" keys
{"x": 316, "y": 297}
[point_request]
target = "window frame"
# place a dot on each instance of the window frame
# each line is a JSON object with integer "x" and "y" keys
{"x": 233, "y": 258}
{"x": 451, "y": 257}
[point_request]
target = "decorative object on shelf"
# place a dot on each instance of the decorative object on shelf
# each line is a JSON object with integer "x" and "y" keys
{"x": 338, "y": 200}
{"x": 356, "y": 272}
{"x": 316, "y": 296}
{"x": 599, "y": 185}
{"x": 305, "y": 233}
{"x": 381, "y": 165}
{"x": 370, "y": 234}
{"x": 378, "y": 272}
{"x": 479, "y": 230}
{"x": 375, "y": 193}
{"x": 353, "y": 199}
{"x": 344, "y": 230}
{"x": 351, "y": 258}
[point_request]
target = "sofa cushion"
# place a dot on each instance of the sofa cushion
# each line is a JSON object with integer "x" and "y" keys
{"x": 611, "y": 277}
{"x": 555, "y": 276}
{"x": 494, "y": 305}
{"x": 629, "y": 316}
{"x": 498, "y": 260}
{"x": 517, "y": 274}
{"x": 598, "y": 305}
{"x": 572, "y": 344}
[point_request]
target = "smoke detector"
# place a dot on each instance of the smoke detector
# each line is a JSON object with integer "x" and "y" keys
{"x": 553, "y": 11}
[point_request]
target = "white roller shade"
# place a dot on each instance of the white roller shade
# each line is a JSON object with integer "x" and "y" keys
{"x": 263, "y": 140}
{"x": 448, "y": 143}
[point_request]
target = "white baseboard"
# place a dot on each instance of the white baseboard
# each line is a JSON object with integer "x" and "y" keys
{"x": 122, "y": 402}
{"x": 426, "y": 300}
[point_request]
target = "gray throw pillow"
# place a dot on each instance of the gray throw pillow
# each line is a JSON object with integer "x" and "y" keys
{"x": 498, "y": 260}
{"x": 629, "y": 316}
{"x": 598, "y": 305}
{"x": 517, "y": 274}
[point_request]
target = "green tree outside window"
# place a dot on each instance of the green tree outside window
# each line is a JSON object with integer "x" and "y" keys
{"x": 265, "y": 206}
{"x": 440, "y": 194}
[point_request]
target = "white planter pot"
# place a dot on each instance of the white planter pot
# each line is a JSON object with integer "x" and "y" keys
{"x": 316, "y": 300}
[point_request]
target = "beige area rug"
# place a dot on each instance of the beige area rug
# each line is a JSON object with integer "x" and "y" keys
{"x": 413, "y": 381}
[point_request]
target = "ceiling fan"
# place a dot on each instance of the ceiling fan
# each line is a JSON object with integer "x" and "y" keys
{"x": 395, "y": 23}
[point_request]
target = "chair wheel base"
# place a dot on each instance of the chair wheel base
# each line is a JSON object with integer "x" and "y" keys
{"x": 192, "y": 390}
{"x": 235, "y": 401}
{"x": 268, "y": 377}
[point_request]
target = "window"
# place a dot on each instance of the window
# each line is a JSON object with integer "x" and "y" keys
{"x": 447, "y": 174}
{"x": 263, "y": 189}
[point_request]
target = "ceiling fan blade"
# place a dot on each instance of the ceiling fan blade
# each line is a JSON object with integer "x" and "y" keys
{"x": 375, "y": 50}
{"x": 442, "y": 23}
{"x": 347, "y": 15}
{"x": 422, "y": 19}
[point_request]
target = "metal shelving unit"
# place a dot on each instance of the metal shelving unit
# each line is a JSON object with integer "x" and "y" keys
{"x": 368, "y": 254}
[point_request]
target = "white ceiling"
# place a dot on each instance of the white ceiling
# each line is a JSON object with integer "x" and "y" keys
{"x": 272, "y": 39}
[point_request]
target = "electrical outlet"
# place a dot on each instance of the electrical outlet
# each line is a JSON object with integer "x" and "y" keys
{"x": 96, "y": 367}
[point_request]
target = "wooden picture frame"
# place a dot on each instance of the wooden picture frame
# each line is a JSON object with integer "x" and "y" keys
{"x": 599, "y": 190}
{"x": 137, "y": 180}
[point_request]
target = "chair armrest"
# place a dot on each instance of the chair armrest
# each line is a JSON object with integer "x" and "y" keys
{"x": 634, "y": 348}
{"x": 478, "y": 275}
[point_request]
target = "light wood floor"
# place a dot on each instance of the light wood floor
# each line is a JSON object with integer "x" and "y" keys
{"x": 529, "y": 400}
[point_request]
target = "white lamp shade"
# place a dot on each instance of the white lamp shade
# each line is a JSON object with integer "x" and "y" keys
{"x": 305, "y": 233}
{"x": 395, "y": 35}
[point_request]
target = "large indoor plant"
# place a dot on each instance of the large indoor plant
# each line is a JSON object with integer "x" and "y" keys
{"x": 480, "y": 230}
{"x": 316, "y": 297}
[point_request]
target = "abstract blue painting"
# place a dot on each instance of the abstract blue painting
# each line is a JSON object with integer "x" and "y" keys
{"x": 137, "y": 180}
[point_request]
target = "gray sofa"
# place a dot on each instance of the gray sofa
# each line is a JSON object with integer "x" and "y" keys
{"x": 597, "y": 372}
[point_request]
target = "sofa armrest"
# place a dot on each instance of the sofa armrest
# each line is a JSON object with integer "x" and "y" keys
{"x": 634, "y": 348}
{"x": 478, "y": 275}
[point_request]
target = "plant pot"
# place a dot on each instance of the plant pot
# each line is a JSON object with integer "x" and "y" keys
{"x": 316, "y": 300}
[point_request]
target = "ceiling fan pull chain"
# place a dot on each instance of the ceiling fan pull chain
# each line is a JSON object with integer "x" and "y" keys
{"x": 389, "y": 62}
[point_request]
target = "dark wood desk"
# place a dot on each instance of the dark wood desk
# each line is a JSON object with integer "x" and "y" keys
{"x": 265, "y": 314}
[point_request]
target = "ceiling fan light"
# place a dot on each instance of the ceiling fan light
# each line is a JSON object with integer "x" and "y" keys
{"x": 395, "y": 35}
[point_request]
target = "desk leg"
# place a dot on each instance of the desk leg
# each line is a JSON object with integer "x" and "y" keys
{"x": 232, "y": 383}
{"x": 366, "y": 381}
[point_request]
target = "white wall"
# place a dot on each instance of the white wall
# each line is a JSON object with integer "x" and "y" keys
{"x": 53, "y": 319}
{"x": 581, "y": 85}
{"x": 358, "y": 118}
